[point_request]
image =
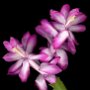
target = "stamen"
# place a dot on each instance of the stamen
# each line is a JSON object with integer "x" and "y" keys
{"x": 71, "y": 19}
{"x": 16, "y": 50}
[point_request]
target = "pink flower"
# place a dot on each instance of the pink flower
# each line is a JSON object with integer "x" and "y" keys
{"x": 48, "y": 71}
{"x": 69, "y": 21}
{"x": 60, "y": 31}
{"x": 20, "y": 52}
{"x": 58, "y": 57}
{"x": 41, "y": 81}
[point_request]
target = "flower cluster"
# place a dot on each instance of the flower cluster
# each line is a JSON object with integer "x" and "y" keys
{"x": 52, "y": 59}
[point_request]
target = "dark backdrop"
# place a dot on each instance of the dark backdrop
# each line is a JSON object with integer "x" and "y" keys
{"x": 19, "y": 17}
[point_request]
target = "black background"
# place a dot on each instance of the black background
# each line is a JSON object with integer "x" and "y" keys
{"x": 19, "y": 17}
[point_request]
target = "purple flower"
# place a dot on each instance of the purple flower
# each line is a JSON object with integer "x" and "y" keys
{"x": 53, "y": 59}
{"x": 21, "y": 53}
{"x": 69, "y": 21}
{"x": 60, "y": 31}
{"x": 41, "y": 81}
{"x": 47, "y": 73}
{"x": 57, "y": 57}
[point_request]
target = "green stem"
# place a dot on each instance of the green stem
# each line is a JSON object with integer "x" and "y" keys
{"x": 59, "y": 85}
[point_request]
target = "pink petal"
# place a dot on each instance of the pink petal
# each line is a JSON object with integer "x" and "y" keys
{"x": 47, "y": 52}
{"x": 65, "y": 10}
{"x": 31, "y": 43}
{"x": 77, "y": 28}
{"x": 7, "y": 45}
{"x": 25, "y": 38}
{"x": 43, "y": 57}
{"x": 48, "y": 28}
{"x": 66, "y": 46}
{"x": 60, "y": 39}
{"x": 79, "y": 19}
{"x": 72, "y": 38}
{"x": 10, "y": 57}
{"x": 63, "y": 61}
{"x": 15, "y": 66}
{"x": 55, "y": 60}
{"x": 74, "y": 12}
{"x": 51, "y": 79}
{"x": 39, "y": 56}
{"x": 52, "y": 50}
{"x": 25, "y": 71}
{"x": 58, "y": 26}
{"x": 41, "y": 83}
{"x": 50, "y": 68}
{"x": 13, "y": 42}
{"x": 40, "y": 30}
{"x": 71, "y": 46}
{"x": 15, "y": 72}
{"x": 58, "y": 17}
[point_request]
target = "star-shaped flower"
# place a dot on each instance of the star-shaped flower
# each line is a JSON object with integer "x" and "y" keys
{"x": 67, "y": 20}
{"x": 48, "y": 72}
{"x": 59, "y": 33}
{"x": 20, "y": 52}
{"x": 58, "y": 57}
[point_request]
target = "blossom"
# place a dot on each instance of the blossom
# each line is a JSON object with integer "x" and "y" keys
{"x": 20, "y": 52}
{"x": 58, "y": 57}
{"x": 67, "y": 20}
{"x": 52, "y": 59}
{"x": 59, "y": 32}
{"x": 48, "y": 72}
{"x": 56, "y": 62}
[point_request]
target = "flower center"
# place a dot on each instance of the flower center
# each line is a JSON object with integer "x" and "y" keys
{"x": 19, "y": 51}
{"x": 71, "y": 19}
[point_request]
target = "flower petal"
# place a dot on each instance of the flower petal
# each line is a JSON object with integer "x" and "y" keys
{"x": 78, "y": 19}
{"x": 48, "y": 28}
{"x": 47, "y": 52}
{"x": 65, "y": 10}
{"x": 41, "y": 83}
{"x": 7, "y": 45}
{"x": 52, "y": 50}
{"x": 50, "y": 68}
{"x": 55, "y": 60}
{"x": 31, "y": 44}
{"x": 74, "y": 12}
{"x": 51, "y": 79}
{"x": 57, "y": 16}
{"x": 58, "y": 26}
{"x": 77, "y": 28}
{"x": 25, "y": 38}
{"x": 15, "y": 72}
{"x": 72, "y": 38}
{"x": 60, "y": 39}
{"x": 63, "y": 61}
{"x": 25, "y": 71}
{"x": 40, "y": 56}
{"x": 66, "y": 46}
{"x": 15, "y": 66}
{"x": 10, "y": 57}
{"x": 71, "y": 45}
{"x": 13, "y": 42}
{"x": 40, "y": 30}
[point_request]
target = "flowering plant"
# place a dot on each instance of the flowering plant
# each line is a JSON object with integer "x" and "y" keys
{"x": 52, "y": 59}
